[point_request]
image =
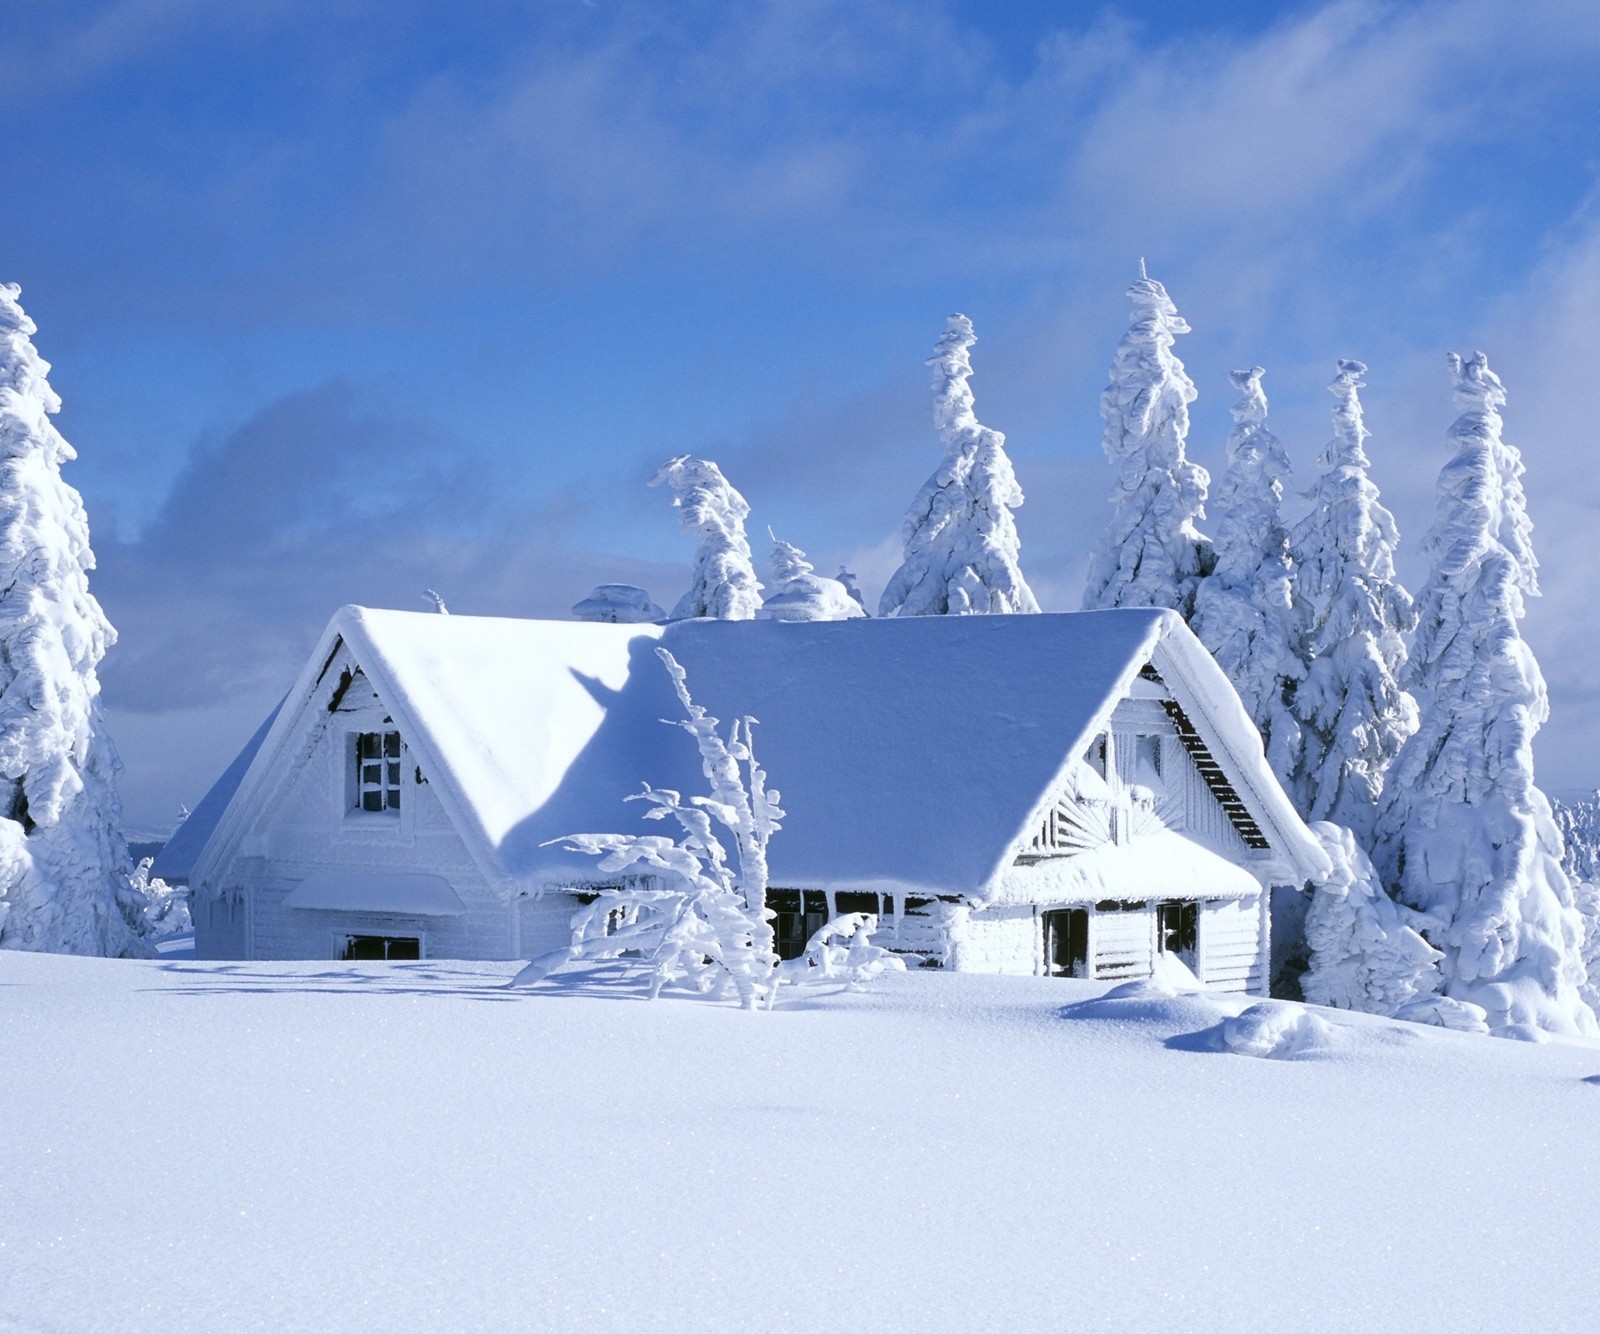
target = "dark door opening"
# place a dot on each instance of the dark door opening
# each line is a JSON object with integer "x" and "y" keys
{"x": 1178, "y": 930}
{"x": 1066, "y": 942}
{"x": 382, "y": 947}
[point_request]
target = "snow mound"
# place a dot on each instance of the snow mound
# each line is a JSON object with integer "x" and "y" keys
{"x": 1276, "y": 1030}
{"x": 618, "y": 604}
{"x": 1443, "y": 1012}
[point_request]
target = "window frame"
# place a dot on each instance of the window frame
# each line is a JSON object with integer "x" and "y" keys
{"x": 378, "y": 777}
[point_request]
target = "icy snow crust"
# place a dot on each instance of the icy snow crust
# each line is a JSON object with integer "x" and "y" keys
{"x": 352, "y": 1147}
{"x": 908, "y": 753}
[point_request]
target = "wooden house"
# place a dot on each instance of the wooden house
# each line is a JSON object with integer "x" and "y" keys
{"x": 1072, "y": 794}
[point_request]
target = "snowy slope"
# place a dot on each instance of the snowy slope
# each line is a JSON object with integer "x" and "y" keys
{"x": 326, "y": 1146}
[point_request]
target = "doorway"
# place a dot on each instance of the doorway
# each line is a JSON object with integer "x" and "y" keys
{"x": 1066, "y": 942}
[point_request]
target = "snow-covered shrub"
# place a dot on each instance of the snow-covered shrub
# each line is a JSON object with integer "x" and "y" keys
{"x": 64, "y": 866}
{"x": 618, "y": 604}
{"x": 798, "y": 594}
{"x": 1152, "y": 554}
{"x": 691, "y": 915}
{"x": 1276, "y": 1031}
{"x": 1244, "y": 609}
{"x": 962, "y": 552}
{"x": 842, "y": 951}
{"x": 1353, "y": 619}
{"x": 848, "y": 579}
{"x": 724, "y": 583}
{"x": 166, "y": 906}
{"x": 1364, "y": 956}
{"x": 1466, "y": 837}
{"x": 435, "y": 599}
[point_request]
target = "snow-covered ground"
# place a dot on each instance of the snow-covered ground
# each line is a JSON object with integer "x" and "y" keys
{"x": 208, "y": 1146}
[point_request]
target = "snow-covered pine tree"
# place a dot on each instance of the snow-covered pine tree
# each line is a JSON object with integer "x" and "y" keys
{"x": 848, "y": 579}
{"x": 1243, "y": 608}
{"x": 1465, "y": 836}
{"x": 962, "y": 552}
{"x": 1152, "y": 554}
{"x": 799, "y": 594}
{"x": 724, "y": 581}
{"x": 65, "y": 878}
{"x": 1353, "y": 617}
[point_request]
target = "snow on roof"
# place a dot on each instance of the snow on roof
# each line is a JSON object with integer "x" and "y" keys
{"x": 403, "y": 893}
{"x": 177, "y": 858}
{"x": 907, "y": 752}
{"x": 910, "y": 754}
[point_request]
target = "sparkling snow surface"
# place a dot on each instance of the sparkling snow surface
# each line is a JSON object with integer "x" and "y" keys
{"x": 332, "y": 1146}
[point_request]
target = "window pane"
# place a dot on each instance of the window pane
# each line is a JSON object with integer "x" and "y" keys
{"x": 391, "y": 745}
{"x": 372, "y": 801}
{"x": 394, "y": 774}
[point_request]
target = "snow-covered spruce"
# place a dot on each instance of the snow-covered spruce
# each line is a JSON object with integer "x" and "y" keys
{"x": 1465, "y": 836}
{"x": 962, "y": 552}
{"x": 1153, "y": 553}
{"x": 798, "y": 594}
{"x": 64, "y": 869}
{"x": 618, "y": 604}
{"x": 691, "y": 916}
{"x": 1364, "y": 956}
{"x": 1244, "y": 609}
{"x": 724, "y": 583}
{"x": 1579, "y": 823}
{"x": 1353, "y": 616}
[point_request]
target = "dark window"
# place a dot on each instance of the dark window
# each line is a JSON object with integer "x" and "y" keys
{"x": 1066, "y": 942}
{"x": 1178, "y": 929}
{"x": 1096, "y": 756}
{"x": 382, "y": 947}
{"x": 800, "y": 915}
{"x": 377, "y": 771}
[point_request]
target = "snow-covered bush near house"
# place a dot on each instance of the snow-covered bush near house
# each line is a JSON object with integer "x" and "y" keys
{"x": 1354, "y": 617}
{"x": 64, "y": 866}
{"x": 962, "y": 552}
{"x": 1364, "y": 956}
{"x": 797, "y": 593}
{"x": 724, "y": 583}
{"x": 1465, "y": 836}
{"x": 1152, "y": 554}
{"x": 166, "y": 906}
{"x": 693, "y": 916}
{"x": 1275, "y": 1030}
{"x": 842, "y": 951}
{"x": 1243, "y": 609}
{"x": 618, "y": 604}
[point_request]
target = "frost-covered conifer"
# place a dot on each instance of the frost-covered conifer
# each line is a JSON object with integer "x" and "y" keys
{"x": 724, "y": 582}
{"x": 1465, "y": 836}
{"x": 1364, "y": 955}
{"x": 1353, "y": 617}
{"x": 798, "y": 594}
{"x": 1152, "y": 554}
{"x": 962, "y": 552}
{"x": 1243, "y": 609}
{"x": 697, "y": 918}
{"x": 65, "y": 879}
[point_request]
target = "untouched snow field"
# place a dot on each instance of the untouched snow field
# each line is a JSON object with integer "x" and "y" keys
{"x": 208, "y": 1146}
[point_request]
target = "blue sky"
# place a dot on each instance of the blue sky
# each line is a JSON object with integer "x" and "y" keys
{"x": 345, "y": 299}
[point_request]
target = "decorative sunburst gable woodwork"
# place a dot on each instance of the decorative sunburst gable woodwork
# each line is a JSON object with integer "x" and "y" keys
{"x": 1155, "y": 766}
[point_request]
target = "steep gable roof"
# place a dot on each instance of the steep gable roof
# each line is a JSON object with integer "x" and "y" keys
{"x": 911, "y": 753}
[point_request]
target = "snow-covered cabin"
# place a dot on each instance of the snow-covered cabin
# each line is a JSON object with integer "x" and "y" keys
{"x": 1053, "y": 794}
